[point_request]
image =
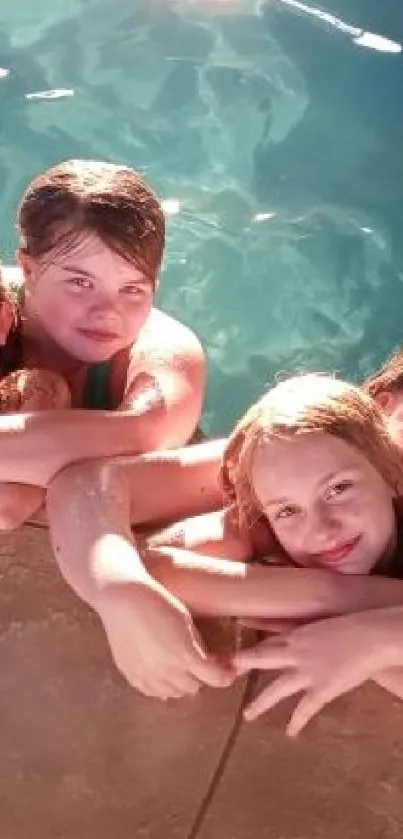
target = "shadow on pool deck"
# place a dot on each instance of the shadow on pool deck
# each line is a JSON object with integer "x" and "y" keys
{"x": 84, "y": 757}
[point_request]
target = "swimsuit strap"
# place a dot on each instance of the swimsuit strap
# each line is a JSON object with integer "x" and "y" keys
{"x": 96, "y": 394}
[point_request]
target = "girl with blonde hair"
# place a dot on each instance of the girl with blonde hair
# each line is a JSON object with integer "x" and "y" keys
{"x": 301, "y": 429}
{"x": 313, "y": 477}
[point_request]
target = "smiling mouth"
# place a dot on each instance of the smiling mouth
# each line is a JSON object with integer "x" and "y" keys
{"x": 335, "y": 556}
{"x": 100, "y": 336}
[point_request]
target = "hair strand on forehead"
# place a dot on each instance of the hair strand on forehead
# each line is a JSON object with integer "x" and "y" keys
{"x": 109, "y": 200}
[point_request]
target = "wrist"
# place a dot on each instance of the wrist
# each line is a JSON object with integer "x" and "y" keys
{"x": 116, "y": 564}
{"x": 137, "y": 591}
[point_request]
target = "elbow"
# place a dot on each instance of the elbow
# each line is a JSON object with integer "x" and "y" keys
{"x": 76, "y": 476}
{"x": 73, "y": 576}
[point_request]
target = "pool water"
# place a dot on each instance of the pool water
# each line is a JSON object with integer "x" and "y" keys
{"x": 275, "y": 134}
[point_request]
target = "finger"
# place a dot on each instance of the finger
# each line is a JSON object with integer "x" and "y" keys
{"x": 316, "y": 700}
{"x": 141, "y": 686}
{"x": 174, "y": 692}
{"x": 154, "y": 691}
{"x": 211, "y": 672}
{"x": 253, "y": 623}
{"x": 171, "y": 683}
{"x": 208, "y": 668}
{"x": 313, "y": 702}
{"x": 270, "y": 654}
{"x": 280, "y": 689}
{"x": 164, "y": 687}
{"x": 183, "y": 684}
{"x": 269, "y": 624}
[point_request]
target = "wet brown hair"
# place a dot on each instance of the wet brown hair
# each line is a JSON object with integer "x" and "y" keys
{"x": 108, "y": 199}
{"x": 388, "y": 379}
{"x": 301, "y": 405}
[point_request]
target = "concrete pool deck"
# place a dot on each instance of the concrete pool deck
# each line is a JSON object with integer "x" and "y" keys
{"x": 84, "y": 757}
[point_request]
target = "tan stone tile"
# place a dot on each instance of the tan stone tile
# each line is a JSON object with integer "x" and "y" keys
{"x": 82, "y": 754}
{"x": 340, "y": 779}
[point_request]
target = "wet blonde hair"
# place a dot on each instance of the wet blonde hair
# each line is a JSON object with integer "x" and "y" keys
{"x": 306, "y": 404}
{"x": 389, "y": 379}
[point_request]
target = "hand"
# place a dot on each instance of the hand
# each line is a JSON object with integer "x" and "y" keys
{"x": 275, "y": 626}
{"x": 154, "y": 642}
{"x": 324, "y": 660}
{"x": 391, "y": 680}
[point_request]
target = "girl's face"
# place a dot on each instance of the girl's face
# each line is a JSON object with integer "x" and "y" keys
{"x": 328, "y": 507}
{"x": 88, "y": 299}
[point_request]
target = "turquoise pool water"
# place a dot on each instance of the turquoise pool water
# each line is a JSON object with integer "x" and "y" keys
{"x": 275, "y": 131}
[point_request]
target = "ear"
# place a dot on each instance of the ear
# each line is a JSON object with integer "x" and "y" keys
{"x": 7, "y": 319}
{"x": 386, "y": 401}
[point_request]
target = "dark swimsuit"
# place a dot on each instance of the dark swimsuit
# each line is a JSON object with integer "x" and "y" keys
{"x": 97, "y": 394}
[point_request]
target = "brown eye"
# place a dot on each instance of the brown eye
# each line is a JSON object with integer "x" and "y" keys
{"x": 286, "y": 512}
{"x": 132, "y": 290}
{"x": 80, "y": 282}
{"x": 339, "y": 488}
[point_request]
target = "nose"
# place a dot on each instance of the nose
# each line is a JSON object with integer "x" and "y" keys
{"x": 105, "y": 305}
{"x": 104, "y": 297}
{"x": 325, "y": 528}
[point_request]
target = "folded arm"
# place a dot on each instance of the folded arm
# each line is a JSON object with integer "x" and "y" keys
{"x": 34, "y": 447}
{"x": 150, "y": 632}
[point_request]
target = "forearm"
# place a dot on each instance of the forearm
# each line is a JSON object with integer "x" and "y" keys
{"x": 34, "y": 447}
{"x": 88, "y": 510}
{"x": 219, "y": 587}
{"x": 108, "y": 497}
{"x": 361, "y": 594}
{"x": 88, "y": 514}
{"x": 214, "y": 586}
{"x": 89, "y": 519}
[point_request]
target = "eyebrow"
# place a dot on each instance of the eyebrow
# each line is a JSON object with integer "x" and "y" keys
{"x": 75, "y": 270}
{"x": 271, "y": 502}
{"x": 275, "y": 502}
{"x": 336, "y": 474}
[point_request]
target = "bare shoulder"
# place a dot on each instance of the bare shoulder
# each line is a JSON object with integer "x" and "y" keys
{"x": 170, "y": 354}
{"x": 165, "y": 340}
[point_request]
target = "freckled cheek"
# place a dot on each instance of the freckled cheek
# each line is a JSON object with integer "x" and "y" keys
{"x": 288, "y": 538}
{"x": 295, "y": 547}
